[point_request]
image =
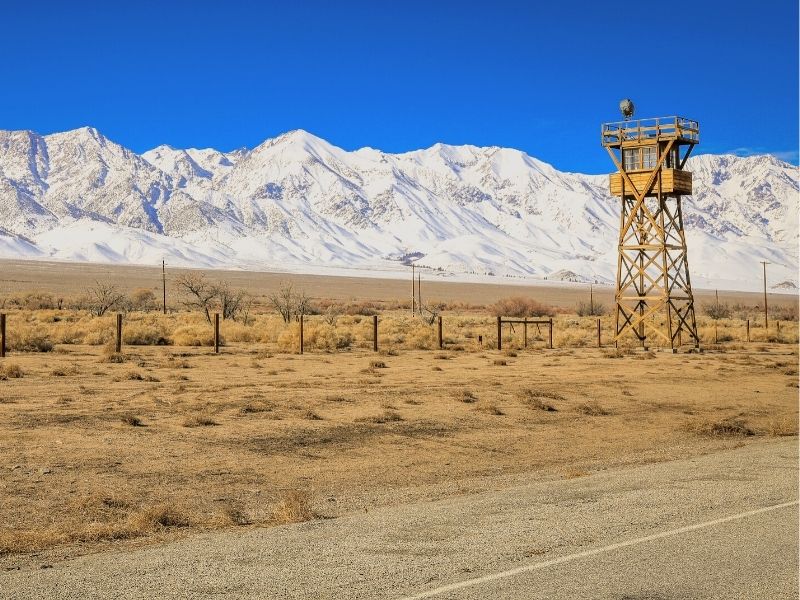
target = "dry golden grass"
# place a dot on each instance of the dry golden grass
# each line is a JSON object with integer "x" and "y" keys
{"x": 293, "y": 506}
{"x": 11, "y": 370}
{"x": 177, "y": 439}
{"x": 167, "y": 438}
{"x": 727, "y": 427}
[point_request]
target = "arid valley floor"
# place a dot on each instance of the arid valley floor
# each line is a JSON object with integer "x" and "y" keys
{"x": 100, "y": 453}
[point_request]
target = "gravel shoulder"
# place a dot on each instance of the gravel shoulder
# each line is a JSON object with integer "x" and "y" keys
{"x": 403, "y": 551}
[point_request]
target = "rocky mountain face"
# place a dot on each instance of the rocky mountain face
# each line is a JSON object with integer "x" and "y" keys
{"x": 297, "y": 202}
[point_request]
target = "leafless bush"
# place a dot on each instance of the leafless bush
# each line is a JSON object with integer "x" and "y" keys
{"x": 103, "y": 297}
{"x": 519, "y": 306}
{"x": 717, "y": 311}
{"x": 34, "y": 301}
{"x": 783, "y": 312}
{"x": 233, "y": 303}
{"x": 199, "y": 292}
{"x": 289, "y": 303}
{"x": 331, "y": 315}
{"x": 430, "y": 312}
{"x": 204, "y": 295}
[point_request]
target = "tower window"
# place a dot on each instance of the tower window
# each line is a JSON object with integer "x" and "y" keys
{"x": 630, "y": 159}
{"x": 649, "y": 157}
{"x": 634, "y": 159}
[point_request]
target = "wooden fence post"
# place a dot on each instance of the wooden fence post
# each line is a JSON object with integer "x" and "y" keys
{"x": 441, "y": 343}
{"x": 499, "y": 333}
{"x": 748, "y": 330}
{"x": 2, "y": 335}
{"x": 525, "y": 332}
{"x": 302, "y": 318}
{"x": 551, "y": 333}
{"x": 118, "y": 347}
{"x": 216, "y": 333}
{"x": 599, "y": 341}
{"x": 375, "y": 332}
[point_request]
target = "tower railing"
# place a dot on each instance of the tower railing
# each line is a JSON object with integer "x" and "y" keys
{"x": 637, "y": 130}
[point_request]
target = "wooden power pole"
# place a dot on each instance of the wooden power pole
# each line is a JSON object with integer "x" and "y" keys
{"x": 413, "y": 292}
{"x": 766, "y": 318}
{"x": 164, "y": 283}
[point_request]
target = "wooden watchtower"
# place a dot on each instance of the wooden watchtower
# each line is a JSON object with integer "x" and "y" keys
{"x": 654, "y": 298}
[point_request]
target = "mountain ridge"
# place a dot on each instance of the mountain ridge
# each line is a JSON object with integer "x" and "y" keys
{"x": 297, "y": 201}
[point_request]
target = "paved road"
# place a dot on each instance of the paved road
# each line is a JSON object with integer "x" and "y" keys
{"x": 720, "y": 526}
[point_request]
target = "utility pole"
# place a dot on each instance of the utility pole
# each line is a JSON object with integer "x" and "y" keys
{"x": 591, "y": 299}
{"x": 164, "y": 283}
{"x": 766, "y": 318}
{"x": 413, "y": 292}
{"x": 419, "y": 293}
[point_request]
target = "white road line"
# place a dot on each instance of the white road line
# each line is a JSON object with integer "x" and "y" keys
{"x": 570, "y": 557}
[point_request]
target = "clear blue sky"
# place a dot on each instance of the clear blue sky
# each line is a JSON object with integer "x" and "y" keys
{"x": 539, "y": 76}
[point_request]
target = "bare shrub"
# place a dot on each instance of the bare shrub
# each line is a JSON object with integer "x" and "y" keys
{"x": 233, "y": 303}
{"x": 430, "y": 312}
{"x": 717, "y": 310}
{"x": 31, "y": 340}
{"x": 331, "y": 315}
{"x": 377, "y": 364}
{"x": 198, "y": 291}
{"x": 520, "y": 306}
{"x": 499, "y": 362}
{"x": 142, "y": 299}
{"x": 293, "y": 506}
{"x": 132, "y": 420}
{"x": 290, "y": 303}
{"x": 783, "y": 312}
{"x": 102, "y": 297}
{"x": 591, "y": 309}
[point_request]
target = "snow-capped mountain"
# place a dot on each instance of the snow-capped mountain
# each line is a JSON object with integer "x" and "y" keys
{"x": 296, "y": 202}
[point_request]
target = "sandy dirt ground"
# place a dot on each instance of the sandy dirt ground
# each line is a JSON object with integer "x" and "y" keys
{"x": 174, "y": 441}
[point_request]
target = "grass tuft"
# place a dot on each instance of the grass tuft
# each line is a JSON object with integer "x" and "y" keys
{"x": 293, "y": 506}
{"x": 132, "y": 421}
{"x": 592, "y": 409}
{"x": 9, "y": 370}
{"x": 724, "y": 428}
{"x": 199, "y": 421}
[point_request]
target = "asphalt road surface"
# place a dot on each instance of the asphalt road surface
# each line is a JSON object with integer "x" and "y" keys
{"x": 719, "y": 526}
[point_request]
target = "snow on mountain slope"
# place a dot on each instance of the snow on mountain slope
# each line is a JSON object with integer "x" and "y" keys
{"x": 298, "y": 202}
